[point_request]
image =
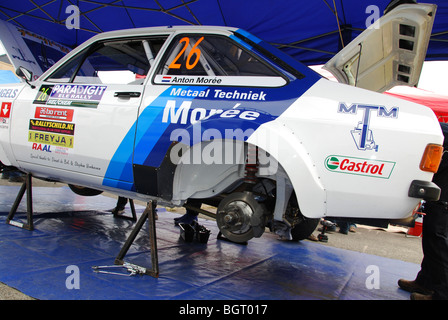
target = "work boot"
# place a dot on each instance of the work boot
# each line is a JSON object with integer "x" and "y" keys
{"x": 187, "y": 218}
{"x": 413, "y": 286}
{"x": 419, "y": 296}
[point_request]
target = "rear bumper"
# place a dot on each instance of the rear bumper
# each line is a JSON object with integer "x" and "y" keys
{"x": 425, "y": 190}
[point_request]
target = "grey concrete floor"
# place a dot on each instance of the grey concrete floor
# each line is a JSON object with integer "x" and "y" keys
{"x": 390, "y": 243}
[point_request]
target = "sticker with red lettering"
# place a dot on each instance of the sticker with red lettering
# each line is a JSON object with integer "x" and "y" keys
{"x": 359, "y": 166}
{"x": 54, "y": 113}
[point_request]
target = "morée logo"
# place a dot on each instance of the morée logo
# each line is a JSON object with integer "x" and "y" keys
{"x": 359, "y": 166}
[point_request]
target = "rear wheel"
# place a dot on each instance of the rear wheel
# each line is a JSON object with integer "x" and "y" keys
{"x": 84, "y": 191}
{"x": 302, "y": 227}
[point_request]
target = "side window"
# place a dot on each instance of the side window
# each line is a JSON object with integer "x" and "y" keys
{"x": 213, "y": 59}
{"x": 110, "y": 62}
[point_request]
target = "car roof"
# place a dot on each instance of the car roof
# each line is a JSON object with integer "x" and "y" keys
{"x": 141, "y": 32}
{"x": 159, "y": 30}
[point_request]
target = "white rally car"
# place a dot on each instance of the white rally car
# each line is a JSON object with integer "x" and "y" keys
{"x": 215, "y": 115}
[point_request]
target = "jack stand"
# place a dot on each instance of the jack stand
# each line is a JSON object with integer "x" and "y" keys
{"x": 147, "y": 214}
{"x": 26, "y": 186}
{"x": 134, "y": 215}
{"x": 132, "y": 268}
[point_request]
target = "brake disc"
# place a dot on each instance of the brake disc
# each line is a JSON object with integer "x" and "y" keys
{"x": 240, "y": 217}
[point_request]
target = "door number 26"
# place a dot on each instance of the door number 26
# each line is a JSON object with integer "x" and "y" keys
{"x": 194, "y": 51}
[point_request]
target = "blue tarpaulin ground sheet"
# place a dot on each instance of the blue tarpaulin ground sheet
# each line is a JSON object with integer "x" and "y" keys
{"x": 77, "y": 231}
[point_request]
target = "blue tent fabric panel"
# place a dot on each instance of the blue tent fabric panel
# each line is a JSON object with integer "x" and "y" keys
{"x": 307, "y": 30}
{"x": 71, "y": 230}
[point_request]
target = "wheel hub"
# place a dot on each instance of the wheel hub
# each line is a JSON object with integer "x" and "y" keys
{"x": 236, "y": 216}
{"x": 240, "y": 217}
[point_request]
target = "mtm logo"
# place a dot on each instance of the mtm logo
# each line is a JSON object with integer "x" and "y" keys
{"x": 362, "y": 134}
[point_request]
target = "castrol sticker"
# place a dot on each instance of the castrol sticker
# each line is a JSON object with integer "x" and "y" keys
{"x": 359, "y": 166}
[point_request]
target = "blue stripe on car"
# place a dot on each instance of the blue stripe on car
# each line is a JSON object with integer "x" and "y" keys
{"x": 151, "y": 136}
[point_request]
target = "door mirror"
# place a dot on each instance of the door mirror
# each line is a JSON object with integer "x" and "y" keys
{"x": 25, "y": 74}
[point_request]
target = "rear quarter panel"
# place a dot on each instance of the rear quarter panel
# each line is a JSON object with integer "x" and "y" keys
{"x": 327, "y": 134}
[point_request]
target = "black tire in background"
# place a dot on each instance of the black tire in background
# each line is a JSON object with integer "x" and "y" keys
{"x": 84, "y": 191}
{"x": 304, "y": 229}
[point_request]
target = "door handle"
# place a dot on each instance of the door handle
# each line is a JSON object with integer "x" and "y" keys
{"x": 127, "y": 94}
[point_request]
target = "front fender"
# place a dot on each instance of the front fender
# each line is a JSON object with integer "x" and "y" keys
{"x": 286, "y": 147}
{"x": 280, "y": 144}
{"x": 8, "y": 117}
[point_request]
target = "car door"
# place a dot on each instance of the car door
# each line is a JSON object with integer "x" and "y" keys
{"x": 79, "y": 115}
{"x": 205, "y": 83}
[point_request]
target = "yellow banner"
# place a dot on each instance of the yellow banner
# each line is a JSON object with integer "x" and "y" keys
{"x": 52, "y": 126}
{"x": 51, "y": 138}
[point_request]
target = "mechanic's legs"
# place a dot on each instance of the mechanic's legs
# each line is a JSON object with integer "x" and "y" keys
{"x": 432, "y": 279}
{"x": 191, "y": 215}
{"x": 434, "y": 271}
{"x": 343, "y": 227}
{"x": 121, "y": 203}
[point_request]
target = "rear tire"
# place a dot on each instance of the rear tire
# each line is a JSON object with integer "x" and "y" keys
{"x": 304, "y": 229}
{"x": 84, "y": 191}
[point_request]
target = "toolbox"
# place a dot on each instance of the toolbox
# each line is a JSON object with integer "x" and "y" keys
{"x": 194, "y": 231}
